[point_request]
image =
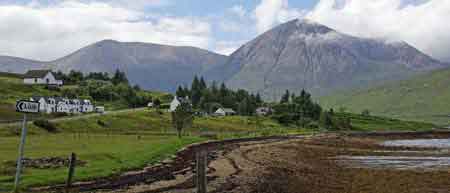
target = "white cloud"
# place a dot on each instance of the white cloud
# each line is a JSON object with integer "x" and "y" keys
{"x": 238, "y": 10}
{"x": 227, "y": 47}
{"x": 423, "y": 25}
{"x": 46, "y": 32}
{"x": 271, "y": 12}
{"x": 138, "y": 4}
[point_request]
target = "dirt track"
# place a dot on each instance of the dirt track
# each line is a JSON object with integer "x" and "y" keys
{"x": 285, "y": 165}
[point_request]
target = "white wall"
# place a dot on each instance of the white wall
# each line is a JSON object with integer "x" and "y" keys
{"x": 51, "y": 80}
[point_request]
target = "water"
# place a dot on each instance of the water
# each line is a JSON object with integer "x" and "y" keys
{"x": 395, "y": 162}
{"x": 403, "y": 162}
{"x": 436, "y": 143}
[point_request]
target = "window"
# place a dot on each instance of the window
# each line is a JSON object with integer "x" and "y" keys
{"x": 35, "y": 80}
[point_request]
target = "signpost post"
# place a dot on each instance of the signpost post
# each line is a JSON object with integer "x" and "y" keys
{"x": 23, "y": 107}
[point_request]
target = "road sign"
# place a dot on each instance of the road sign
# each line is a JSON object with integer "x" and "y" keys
{"x": 27, "y": 107}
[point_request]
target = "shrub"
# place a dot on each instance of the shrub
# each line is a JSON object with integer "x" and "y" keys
{"x": 60, "y": 114}
{"x": 47, "y": 125}
{"x": 284, "y": 119}
{"x": 102, "y": 123}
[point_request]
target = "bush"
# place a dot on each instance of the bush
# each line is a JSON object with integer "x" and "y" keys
{"x": 284, "y": 119}
{"x": 165, "y": 106}
{"x": 102, "y": 123}
{"x": 47, "y": 125}
{"x": 60, "y": 114}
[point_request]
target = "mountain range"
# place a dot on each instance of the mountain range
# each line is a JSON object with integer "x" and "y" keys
{"x": 302, "y": 54}
{"x": 296, "y": 55}
{"x": 151, "y": 66}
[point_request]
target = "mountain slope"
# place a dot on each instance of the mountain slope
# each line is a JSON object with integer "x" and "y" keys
{"x": 424, "y": 98}
{"x": 303, "y": 54}
{"x": 18, "y": 65}
{"x": 151, "y": 66}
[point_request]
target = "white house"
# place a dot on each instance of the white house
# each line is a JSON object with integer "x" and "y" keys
{"x": 224, "y": 112}
{"x": 63, "y": 105}
{"x": 263, "y": 111}
{"x": 43, "y": 77}
{"x": 177, "y": 102}
{"x": 46, "y": 105}
{"x": 174, "y": 104}
{"x": 87, "y": 106}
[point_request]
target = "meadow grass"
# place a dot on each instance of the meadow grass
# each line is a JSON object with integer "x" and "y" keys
{"x": 422, "y": 98}
{"x": 374, "y": 123}
{"x": 105, "y": 155}
{"x": 112, "y": 143}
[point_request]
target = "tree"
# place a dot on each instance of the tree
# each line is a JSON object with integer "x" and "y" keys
{"x": 285, "y": 97}
{"x": 365, "y": 113}
{"x": 156, "y": 103}
{"x": 182, "y": 117}
{"x": 74, "y": 77}
{"x": 202, "y": 84}
{"x": 259, "y": 99}
{"x": 119, "y": 77}
{"x": 196, "y": 92}
{"x": 180, "y": 92}
{"x": 326, "y": 121}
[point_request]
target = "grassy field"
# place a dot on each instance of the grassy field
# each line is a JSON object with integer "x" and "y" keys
{"x": 423, "y": 98}
{"x": 105, "y": 155}
{"x": 372, "y": 123}
{"x": 115, "y": 142}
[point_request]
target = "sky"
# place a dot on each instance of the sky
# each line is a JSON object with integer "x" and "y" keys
{"x": 50, "y": 29}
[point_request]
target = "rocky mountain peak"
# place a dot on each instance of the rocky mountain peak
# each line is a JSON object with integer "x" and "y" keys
{"x": 307, "y": 26}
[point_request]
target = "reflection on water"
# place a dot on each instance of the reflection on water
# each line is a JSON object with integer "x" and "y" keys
{"x": 438, "y": 143}
{"x": 403, "y": 162}
{"x": 395, "y": 162}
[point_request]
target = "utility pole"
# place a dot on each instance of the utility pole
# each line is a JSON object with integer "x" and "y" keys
{"x": 21, "y": 149}
{"x": 23, "y": 107}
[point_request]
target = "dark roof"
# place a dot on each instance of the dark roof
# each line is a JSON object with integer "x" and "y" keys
{"x": 36, "y": 73}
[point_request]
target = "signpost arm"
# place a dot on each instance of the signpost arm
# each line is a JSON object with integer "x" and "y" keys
{"x": 21, "y": 148}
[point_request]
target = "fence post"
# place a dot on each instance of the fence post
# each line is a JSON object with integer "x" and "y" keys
{"x": 201, "y": 161}
{"x": 72, "y": 165}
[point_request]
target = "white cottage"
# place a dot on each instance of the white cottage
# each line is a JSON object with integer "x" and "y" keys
{"x": 177, "y": 102}
{"x": 41, "y": 77}
{"x": 62, "y": 105}
{"x": 86, "y": 106}
{"x": 46, "y": 105}
{"x": 224, "y": 112}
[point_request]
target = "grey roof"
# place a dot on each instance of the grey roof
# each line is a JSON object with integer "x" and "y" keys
{"x": 36, "y": 73}
{"x": 228, "y": 110}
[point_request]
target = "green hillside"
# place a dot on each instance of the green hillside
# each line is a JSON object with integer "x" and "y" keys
{"x": 13, "y": 89}
{"x": 422, "y": 98}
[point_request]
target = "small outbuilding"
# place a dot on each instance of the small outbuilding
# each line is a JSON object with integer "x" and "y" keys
{"x": 264, "y": 111}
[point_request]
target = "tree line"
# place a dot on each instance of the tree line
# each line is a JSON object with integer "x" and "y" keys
{"x": 303, "y": 111}
{"x": 100, "y": 86}
{"x": 210, "y": 97}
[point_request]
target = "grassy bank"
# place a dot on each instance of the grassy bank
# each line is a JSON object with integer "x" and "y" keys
{"x": 422, "y": 98}
{"x": 105, "y": 155}
{"x": 374, "y": 123}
